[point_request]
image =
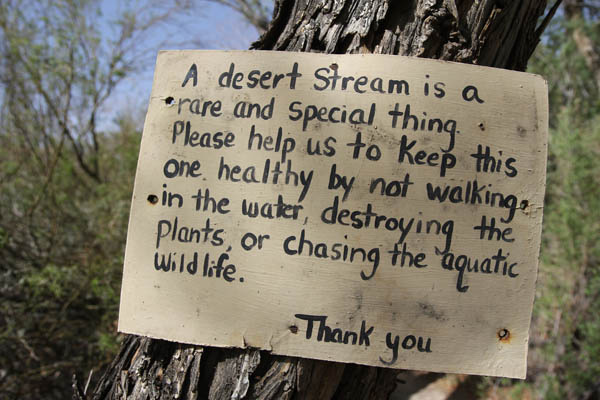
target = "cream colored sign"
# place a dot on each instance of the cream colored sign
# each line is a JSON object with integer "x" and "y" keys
{"x": 370, "y": 209}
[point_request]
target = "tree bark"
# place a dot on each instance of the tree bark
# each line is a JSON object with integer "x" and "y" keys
{"x": 498, "y": 33}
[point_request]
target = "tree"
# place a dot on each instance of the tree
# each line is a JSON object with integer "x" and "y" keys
{"x": 486, "y": 32}
{"x": 65, "y": 184}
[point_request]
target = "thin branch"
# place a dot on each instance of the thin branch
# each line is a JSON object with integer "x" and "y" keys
{"x": 546, "y": 21}
{"x": 537, "y": 35}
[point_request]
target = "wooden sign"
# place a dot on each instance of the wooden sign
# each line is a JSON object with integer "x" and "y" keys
{"x": 369, "y": 209}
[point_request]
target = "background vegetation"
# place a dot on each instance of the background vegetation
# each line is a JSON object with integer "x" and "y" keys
{"x": 67, "y": 168}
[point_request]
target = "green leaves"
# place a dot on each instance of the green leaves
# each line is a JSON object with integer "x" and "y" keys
{"x": 65, "y": 187}
{"x": 566, "y": 328}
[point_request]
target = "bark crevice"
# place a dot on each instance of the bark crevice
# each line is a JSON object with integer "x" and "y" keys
{"x": 491, "y": 33}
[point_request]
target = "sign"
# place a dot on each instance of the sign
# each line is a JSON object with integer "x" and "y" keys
{"x": 369, "y": 209}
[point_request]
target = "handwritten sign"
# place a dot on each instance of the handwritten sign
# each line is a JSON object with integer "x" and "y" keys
{"x": 378, "y": 210}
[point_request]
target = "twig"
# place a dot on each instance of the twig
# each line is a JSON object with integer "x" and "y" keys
{"x": 87, "y": 384}
{"x": 547, "y": 19}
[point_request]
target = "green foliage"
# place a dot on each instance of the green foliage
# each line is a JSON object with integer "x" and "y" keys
{"x": 565, "y": 337}
{"x": 61, "y": 270}
{"x": 571, "y": 273}
{"x": 65, "y": 188}
{"x": 572, "y": 84}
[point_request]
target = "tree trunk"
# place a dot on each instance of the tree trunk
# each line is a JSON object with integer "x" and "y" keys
{"x": 498, "y": 33}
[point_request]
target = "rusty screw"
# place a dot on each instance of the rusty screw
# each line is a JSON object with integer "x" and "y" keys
{"x": 504, "y": 335}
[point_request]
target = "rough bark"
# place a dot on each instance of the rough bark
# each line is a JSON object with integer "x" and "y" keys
{"x": 155, "y": 369}
{"x": 485, "y": 32}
